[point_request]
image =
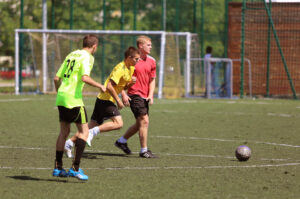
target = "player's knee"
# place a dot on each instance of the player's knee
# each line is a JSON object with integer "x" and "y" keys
{"x": 145, "y": 121}
{"x": 65, "y": 134}
{"x": 118, "y": 124}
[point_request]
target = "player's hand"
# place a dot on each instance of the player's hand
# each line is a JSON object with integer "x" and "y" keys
{"x": 120, "y": 104}
{"x": 133, "y": 79}
{"x": 150, "y": 100}
{"x": 126, "y": 99}
{"x": 102, "y": 88}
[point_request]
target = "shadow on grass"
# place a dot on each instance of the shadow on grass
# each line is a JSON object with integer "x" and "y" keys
{"x": 90, "y": 155}
{"x": 40, "y": 179}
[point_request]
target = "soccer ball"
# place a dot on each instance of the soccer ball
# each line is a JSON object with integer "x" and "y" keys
{"x": 243, "y": 153}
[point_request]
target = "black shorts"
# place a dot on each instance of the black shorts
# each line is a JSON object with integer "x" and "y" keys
{"x": 76, "y": 114}
{"x": 139, "y": 106}
{"x": 103, "y": 110}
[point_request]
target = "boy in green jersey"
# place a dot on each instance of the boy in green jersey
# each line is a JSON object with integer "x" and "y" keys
{"x": 69, "y": 81}
{"x": 108, "y": 103}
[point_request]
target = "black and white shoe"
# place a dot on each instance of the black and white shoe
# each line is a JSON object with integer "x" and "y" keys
{"x": 147, "y": 154}
{"x": 123, "y": 147}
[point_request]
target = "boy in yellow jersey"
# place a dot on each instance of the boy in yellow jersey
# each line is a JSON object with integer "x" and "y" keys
{"x": 69, "y": 81}
{"x": 119, "y": 80}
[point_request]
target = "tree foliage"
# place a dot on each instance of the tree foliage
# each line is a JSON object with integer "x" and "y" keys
{"x": 90, "y": 15}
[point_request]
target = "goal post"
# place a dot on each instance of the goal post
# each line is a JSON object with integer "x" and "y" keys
{"x": 51, "y": 46}
{"x": 218, "y": 78}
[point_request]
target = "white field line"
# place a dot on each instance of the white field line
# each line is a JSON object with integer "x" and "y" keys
{"x": 15, "y": 100}
{"x": 254, "y": 114}
{"x": 21, "y": 147}
{"x": 25, "y": 99}
{"x": 166, "y": 168}
{"x": 160, "y": 154}
{"x": 224, "y": 140}
{"x": 218, "y": 101}
{"x": 187, "y": 138}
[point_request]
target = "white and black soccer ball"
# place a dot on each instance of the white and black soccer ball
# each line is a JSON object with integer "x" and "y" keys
{"x": 243, "y": 153}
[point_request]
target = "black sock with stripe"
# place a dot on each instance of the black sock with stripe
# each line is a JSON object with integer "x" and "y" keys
{"x": 79, "y": 148}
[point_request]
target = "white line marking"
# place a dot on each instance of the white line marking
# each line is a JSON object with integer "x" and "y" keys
{"x": 163, "y": 154}
{"x": 19, "y": 147}
{"x": 279, "y": 114}
{"x": 25, "y": 99}
{"x": 155, "y": 168}
{"x": 15, "y": 100}
{"x": 224, "y": 140}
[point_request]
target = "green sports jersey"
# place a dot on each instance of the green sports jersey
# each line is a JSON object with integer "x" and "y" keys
{"x": 76, "y": 64}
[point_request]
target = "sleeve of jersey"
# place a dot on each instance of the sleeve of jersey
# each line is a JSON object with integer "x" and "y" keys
{"x": 116, "y": 74}
{"x": 61, "y": 70}
{"x": 86, "y": 66}
{"x": 153, "y": 70}
{"x": 132, "y": 70}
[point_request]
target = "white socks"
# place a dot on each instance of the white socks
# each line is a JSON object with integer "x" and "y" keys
{"x": 122, "y": 140}
{"x": 69, "y": 143}
{"x": 143, "y": 150}
{"x": 95, "y": 131}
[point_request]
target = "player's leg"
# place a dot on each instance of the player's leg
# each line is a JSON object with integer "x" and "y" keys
{"x": 115, "y": 124}
{"x": 69, "y": 145}
{"x": 121, "y": 143}
{"x": 93, "y": 131}
{"x": 83, "y": 130}
{"x": 133, "y": 129}
{"x": 143, "y": 121}
{"x": 70, "y": 142}
{"x": 103, "y": 110}
{"x": 60, "y": 142}
{"x": 143, "y": 135}
{"x": 95, "y": 121}
{"x": 80, "y": 143}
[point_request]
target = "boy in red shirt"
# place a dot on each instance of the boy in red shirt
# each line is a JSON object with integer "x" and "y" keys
{"x": 140, "y": 95}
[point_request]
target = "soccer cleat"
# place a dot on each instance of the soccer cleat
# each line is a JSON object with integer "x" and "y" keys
{"x": 147, "y": 154}
{"x": 89, "y": 140}
{"x": 68, "y": 150}
{"x": 123, "y": 147}
{"x": 59, "y": 173}
{"x": 77, "y": 174}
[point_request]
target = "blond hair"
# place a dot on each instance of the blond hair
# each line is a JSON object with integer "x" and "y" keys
{"x": 142, "y": 39}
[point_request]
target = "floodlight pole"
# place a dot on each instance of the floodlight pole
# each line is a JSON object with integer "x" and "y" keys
{"x": 45, "y": 46}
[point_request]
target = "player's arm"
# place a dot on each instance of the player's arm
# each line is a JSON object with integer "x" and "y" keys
{"x": 57, "y": 82}
{"x": 113, "y": 93}
{"x": 151, "y": 91}
{"x": 125, "y": 98}
{"x": 59, "y": 75}
{"x": 131, "y": 83}
{"x": 88, "y": 80}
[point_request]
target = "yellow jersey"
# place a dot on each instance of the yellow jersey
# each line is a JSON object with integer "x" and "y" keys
{"x": 121, "y": 76}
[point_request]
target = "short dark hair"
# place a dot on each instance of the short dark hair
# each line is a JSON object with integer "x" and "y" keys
{"x": 131, "y": 51}
{"x": 209, "y": 49}
{"x": 89, "y": 41}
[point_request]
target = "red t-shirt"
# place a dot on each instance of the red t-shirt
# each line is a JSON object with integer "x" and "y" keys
{"x": 145, "y": 71}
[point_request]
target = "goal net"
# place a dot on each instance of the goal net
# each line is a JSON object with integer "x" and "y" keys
{"x": 41, "y": 52}
{"x": 211, "y": 78}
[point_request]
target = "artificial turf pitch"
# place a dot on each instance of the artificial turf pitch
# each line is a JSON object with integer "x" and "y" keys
{"x": 195, "y": 140}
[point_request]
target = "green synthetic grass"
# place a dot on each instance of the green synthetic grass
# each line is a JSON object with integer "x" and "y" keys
{"x": 195, "y": 140}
